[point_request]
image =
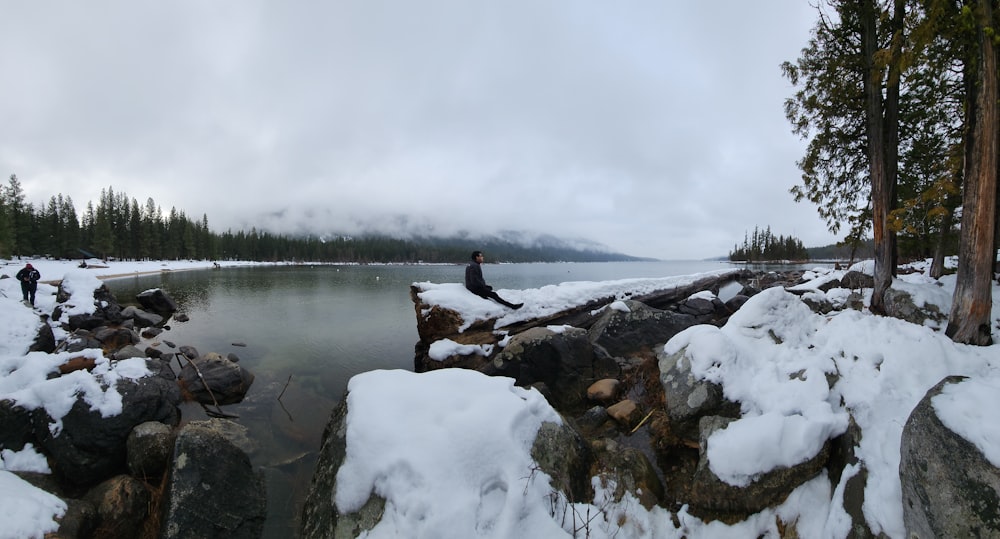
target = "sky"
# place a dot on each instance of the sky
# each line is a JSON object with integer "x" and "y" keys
{"x": 655, "y": 128}
{"x": 450, "y": 449}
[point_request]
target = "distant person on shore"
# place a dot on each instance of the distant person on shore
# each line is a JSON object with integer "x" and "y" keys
{"x": 28, "y": 276}
{"x": 477, "y": 285}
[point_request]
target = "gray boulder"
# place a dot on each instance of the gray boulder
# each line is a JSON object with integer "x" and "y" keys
{"x": 563, "y": 454}
{"x": 151, "y": 332}
{"x": 736, "y": 302}
{"x": 643, "y": 327}
{"x": 949, "y": 487}
{"x": 79, "y": 520}
{"x": 213, "y": 490}
{"x": 127, "y": 352}
{"x": 122, "y": 505}
{"x": 593, "y": 419}
{"x": 157, "y": 300}
{"x": 818, "y": 304}
{"x": 856, "y": 280}
{"x": 627, "y": 469}
{"x": 701, "y": 308}
{"x": 688, "y": 399}
{"x": 141, "y": 317}
{"x": 86, "y": 321}
{"x": 149, "y": 447}
{"x": 899, "y": 304}
{"x": 81, "y": 339}
{"x": 45, "y": 340}
{"x": 115, "y": 337}
{"x": 565, "y": 362}
{"x": 15, "y": 426}
{"x": 320, "y": 518}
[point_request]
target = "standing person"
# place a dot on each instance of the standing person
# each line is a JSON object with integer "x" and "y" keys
{"x": 29, "y": 277}
{"x": 477, "y": 285}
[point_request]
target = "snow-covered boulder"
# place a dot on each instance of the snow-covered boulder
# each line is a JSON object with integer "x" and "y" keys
{"x": 88, "y": 445}
{"x": 950, "y": 488}
{"x": 688, "y": 397}
{"x": 713, "y": 496}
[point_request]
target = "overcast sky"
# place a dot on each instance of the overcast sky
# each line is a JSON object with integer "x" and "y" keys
{"x": 652, "y": 126}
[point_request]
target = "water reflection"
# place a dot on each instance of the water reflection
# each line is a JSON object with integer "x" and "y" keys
{"x": 305, "y": 331}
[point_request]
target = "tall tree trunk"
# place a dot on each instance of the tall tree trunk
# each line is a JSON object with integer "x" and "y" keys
{"x": 937, "y": 263}
{"x": 969, "y": 321}
{"x": 875, "y": 128}
{"x": 891, "y": 126}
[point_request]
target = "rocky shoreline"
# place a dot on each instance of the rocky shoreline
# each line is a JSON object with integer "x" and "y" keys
{"x": 637, "y": 419}
{"x": 140, "y": 473}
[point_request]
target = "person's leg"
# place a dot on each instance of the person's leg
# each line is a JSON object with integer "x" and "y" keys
{"x": 24, "y": 290}
{"x": 31, "y": 292}
{"x": 502, "y": 301}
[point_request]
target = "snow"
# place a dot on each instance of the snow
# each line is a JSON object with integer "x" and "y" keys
{"x": 442, "y": 349}
{"x": 962, "y": 408}
{"x": 27, "y": 511}
{"x": 481, "y": 429}
{"x": 449, "y": 450}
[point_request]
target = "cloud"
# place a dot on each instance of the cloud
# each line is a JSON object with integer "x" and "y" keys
{"x": 655, "y": 128}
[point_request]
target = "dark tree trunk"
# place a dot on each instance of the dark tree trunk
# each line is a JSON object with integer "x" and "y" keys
{"x": 891, "y": 126}
{"x": 937, "y": 263}
{"x": 969, "y": 321}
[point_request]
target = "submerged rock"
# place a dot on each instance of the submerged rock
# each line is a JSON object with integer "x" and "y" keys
{"x": 215, "y": 381}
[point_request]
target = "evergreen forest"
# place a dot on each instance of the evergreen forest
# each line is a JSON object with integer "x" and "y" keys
{"x": 118, "y": 227}
{"x": 763, "y": 246}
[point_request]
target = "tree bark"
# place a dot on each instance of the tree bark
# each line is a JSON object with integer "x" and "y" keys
{"x": 882, "y": 189}
{"x": 969, "y": 321}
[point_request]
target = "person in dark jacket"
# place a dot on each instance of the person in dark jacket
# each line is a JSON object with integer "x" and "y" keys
{"x": 475, "y": 283}
{"x": 28, "y": 276}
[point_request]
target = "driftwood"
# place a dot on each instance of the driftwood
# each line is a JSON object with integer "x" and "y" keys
{"x": 581, "y": 315}
{"x": 77, "y": 364}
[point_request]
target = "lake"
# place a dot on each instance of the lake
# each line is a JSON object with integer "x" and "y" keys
{"x": 304, "y": 331}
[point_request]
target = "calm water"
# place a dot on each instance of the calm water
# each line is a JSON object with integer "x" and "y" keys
{"x": 305, "y": 330}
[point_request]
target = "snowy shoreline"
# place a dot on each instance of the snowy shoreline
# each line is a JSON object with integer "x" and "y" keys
{"x": 801, "y": 376}
{"x": 885, "y": 367}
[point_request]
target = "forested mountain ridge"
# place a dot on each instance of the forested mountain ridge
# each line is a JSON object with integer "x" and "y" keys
{"x": 119, "y": 227}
